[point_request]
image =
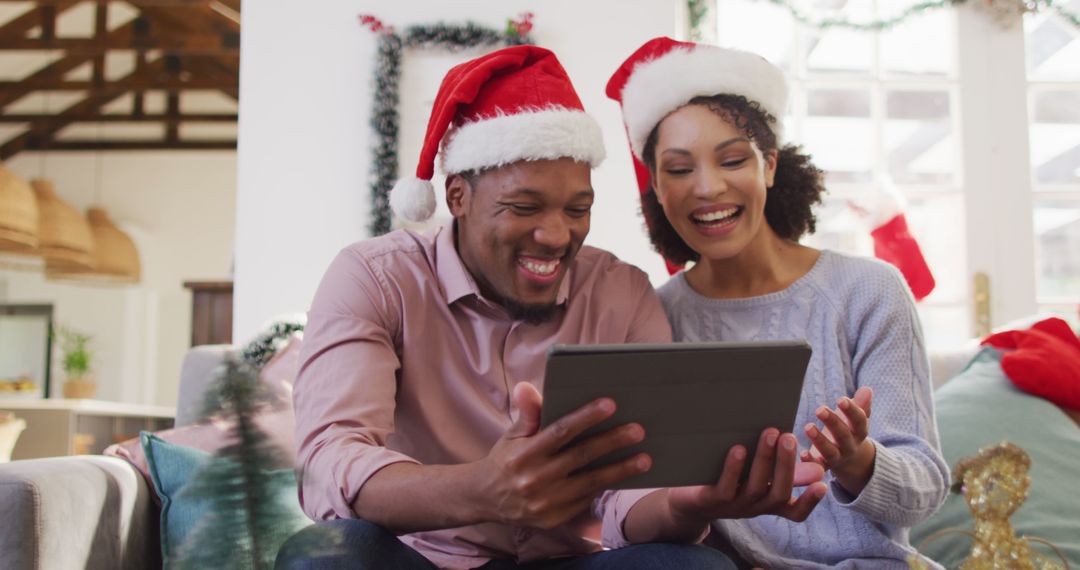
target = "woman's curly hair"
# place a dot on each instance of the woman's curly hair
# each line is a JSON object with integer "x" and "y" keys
{"x": 797, "y": 186}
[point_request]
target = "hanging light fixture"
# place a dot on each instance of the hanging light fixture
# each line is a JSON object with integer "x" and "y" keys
{"x": 65, "y": 239}
{"x": 115, "y": 258}
{"x": 18, "y": 215}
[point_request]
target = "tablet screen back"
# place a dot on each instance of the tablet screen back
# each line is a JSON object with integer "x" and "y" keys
{"x": 695, "y": 400}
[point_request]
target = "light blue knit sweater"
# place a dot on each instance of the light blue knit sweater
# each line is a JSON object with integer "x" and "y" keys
{"x": 860, "y": 319}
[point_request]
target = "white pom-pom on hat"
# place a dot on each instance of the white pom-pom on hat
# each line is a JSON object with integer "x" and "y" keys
{"x": 413, "y": 199}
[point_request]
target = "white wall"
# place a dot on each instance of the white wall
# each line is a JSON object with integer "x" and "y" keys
{"x": 179, "y": 207}
{"x": 304, "y": 139}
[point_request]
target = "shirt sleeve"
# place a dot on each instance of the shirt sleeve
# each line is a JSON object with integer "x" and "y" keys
{"x": 910, "y": 480}
{"x": 649, "y": 325}
{"x": 345, "y": 389}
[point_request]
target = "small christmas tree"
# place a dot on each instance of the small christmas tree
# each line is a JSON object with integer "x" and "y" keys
{"x": 248, "y": 517}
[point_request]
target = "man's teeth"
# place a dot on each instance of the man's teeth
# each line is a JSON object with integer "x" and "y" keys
{"x": 544, "y": 268}
{"x": 717, "y": 215}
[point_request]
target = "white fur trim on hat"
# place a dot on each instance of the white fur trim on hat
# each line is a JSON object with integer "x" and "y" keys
{"x": 660, "y": 86}
{"x": 413, "y": 199}
{"x": 528, "y": 135}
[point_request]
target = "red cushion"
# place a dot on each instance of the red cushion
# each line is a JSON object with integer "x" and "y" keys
{"x": 1044, "y": 361}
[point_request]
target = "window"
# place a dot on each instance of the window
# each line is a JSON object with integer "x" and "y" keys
{"x": 1053, "y": 73}
{"x": 874, "y": 108}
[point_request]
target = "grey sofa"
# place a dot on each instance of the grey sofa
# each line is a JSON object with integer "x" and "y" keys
{"x": 91, "y": 511}
{"x": 98, "y": 512}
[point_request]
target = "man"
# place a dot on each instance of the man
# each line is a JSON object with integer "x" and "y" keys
{"x": 416, "y": 404}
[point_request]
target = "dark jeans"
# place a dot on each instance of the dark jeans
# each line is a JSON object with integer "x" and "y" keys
{"x": 358, "y": 544}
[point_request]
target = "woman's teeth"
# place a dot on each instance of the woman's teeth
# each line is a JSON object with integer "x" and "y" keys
{"x": 717, "y": 216}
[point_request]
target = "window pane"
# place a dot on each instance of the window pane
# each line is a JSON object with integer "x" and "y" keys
{"x": 1057, "y": 250}
{"x": 839, "y": 50}
{"x": 937, "y": 222}
{"x": 919, "y": 142}
{"x": 1055, "y": 136}
{"x": 739, "y": 25}
{"x": 946, "y": 326}
{"x": 922, "y": 45}
{"x": 1053, "y": 46}
{"x": 839, "y": 133}
{"x": 839, "y": 229}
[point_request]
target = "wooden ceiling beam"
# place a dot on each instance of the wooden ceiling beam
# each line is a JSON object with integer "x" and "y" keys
{"x": 42, "y": 16}
{"x": 121, "y": 118}
{"x": 55, "y": 70}
{"x": 202, "y": 44}
{"x": 145, "y": 83}
{"x": 40, "y": 134}
{"x": 76, "y": 145}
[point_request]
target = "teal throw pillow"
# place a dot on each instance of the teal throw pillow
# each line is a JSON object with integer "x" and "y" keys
{"x": 981, "y": 407}
{"x": 172, "y": 472}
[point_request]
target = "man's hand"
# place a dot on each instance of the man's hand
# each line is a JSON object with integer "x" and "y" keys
{"x": 526, "y": 478}
{"x": 844, "y": 446}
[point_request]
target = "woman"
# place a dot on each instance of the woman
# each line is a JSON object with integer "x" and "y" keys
{"x": 720, "y": 190}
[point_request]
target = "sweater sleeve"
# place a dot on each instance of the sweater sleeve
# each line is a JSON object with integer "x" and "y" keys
{"x": 910, "y": 479}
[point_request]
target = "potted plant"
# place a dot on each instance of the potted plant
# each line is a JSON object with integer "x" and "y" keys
{"x": 76, "y": 363}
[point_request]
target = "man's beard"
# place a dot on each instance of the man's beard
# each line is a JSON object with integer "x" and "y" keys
{"x": 531, "y": 313}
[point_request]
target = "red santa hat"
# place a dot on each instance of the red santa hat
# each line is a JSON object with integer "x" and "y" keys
{"x": 510, "y": 105}
{"x": 664, "y": 75}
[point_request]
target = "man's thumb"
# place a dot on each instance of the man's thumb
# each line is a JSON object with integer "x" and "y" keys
{"x": 526, "y": 402}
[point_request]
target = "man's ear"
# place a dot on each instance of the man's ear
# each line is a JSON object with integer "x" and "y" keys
{"x": 458, "y": 194}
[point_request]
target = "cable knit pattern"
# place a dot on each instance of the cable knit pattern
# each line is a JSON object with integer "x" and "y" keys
{"x": 860, "y": 319}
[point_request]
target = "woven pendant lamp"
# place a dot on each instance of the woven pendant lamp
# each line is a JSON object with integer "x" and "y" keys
{"x": 115, "y": 260}
{"x": 18, "y": 215}
{"x": 65, "y": 240}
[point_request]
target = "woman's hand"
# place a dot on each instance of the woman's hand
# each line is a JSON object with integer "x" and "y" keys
{"x": 844, "y": 447}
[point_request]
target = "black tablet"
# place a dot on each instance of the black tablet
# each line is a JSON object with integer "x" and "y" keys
{"x": 695, "y": 400}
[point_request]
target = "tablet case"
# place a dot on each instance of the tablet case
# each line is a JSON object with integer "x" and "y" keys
{"x": 695, "y": 400}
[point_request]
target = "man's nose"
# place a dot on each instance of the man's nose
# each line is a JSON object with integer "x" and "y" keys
{"x": 552, "y": 232}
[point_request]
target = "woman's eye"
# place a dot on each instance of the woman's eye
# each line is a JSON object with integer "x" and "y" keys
{"x": 733, "y": 163}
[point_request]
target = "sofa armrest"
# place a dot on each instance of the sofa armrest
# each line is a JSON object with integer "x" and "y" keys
{"x": 76, "y": 512}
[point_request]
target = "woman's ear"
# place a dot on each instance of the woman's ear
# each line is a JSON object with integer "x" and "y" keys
{"x": 770, "y": 167}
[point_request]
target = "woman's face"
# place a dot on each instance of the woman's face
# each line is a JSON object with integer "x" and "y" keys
{"x": 711, "y": 181}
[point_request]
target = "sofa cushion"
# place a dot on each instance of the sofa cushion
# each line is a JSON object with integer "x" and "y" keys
{"x": 175, "y": 469}
{"x": 981, "y": 407}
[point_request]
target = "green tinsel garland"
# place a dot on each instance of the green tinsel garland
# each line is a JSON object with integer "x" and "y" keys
{"x": 384, "y": 114}
{"x": 259, "y": 351}
{"x": 697, "y": 10}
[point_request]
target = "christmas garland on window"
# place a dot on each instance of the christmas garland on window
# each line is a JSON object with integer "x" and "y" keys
{"x": 1004, "y": 10}
{"x": 384, "y": 113}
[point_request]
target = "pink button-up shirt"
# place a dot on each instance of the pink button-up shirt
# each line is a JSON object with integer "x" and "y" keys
{"x": 404, "y": 360}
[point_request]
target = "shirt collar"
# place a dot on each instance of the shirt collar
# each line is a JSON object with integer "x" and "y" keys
{"x": 455, "y": 279}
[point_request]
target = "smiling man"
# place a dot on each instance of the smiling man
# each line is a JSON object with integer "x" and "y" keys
{"x": 417, "y": 402}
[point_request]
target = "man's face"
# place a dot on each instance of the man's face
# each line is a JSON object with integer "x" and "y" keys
{"x": 519, "y": 227}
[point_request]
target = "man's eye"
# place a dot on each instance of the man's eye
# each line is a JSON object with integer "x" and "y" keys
{"x": 579, "y": 212}
{"x": 678, "y": 171}
{"x": 524, "y": 209}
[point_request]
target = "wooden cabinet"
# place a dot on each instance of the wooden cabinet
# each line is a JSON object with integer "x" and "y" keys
{"x": 57, "y": 427}
{"x": 211, "y": 311}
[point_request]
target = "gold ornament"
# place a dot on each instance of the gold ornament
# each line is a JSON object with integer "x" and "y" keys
{"x": 995, "y": 485}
